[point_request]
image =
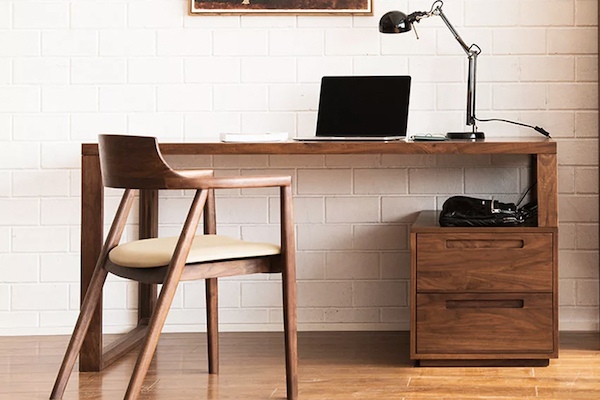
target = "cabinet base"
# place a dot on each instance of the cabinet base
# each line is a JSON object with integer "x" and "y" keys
{"x": 482, "y": 363}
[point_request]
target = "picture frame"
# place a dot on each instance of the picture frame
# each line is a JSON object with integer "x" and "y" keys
{"x": 298, "y": 7}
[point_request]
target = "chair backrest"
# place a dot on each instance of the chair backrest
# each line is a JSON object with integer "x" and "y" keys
{"x": 134, "y": 162}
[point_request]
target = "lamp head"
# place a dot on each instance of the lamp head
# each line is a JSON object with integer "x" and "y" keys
{"x": 394, "y": 22}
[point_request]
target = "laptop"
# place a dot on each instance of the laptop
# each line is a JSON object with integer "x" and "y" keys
{"x": 362, "y": 108}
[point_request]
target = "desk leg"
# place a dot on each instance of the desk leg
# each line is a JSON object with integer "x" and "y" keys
{"x": 547, "y": 190}
{"x": 148, "y": 229}
{"x": 92, "y": 236}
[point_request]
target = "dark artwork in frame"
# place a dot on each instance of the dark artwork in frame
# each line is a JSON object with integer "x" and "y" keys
{"x": 361, "y": 7}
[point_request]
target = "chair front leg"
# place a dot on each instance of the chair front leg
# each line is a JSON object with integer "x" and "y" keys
{"x": 212, "y": 324}
{"x": 90, "y": 302}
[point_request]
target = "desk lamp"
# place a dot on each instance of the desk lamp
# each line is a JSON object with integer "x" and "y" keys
{"x": 398, "y": 22}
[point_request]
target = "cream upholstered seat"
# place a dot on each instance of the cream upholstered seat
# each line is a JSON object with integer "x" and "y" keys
{"x": 149, "y": 253}
{"x": 135, "y": 163}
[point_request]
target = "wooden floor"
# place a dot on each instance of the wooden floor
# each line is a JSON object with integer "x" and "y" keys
{"x": 333, "y": 365}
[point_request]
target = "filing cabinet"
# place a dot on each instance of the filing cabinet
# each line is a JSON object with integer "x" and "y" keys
{"x": 482, "y": 293}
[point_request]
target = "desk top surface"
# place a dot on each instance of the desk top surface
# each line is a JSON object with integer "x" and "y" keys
{"x": 503, "y": 145}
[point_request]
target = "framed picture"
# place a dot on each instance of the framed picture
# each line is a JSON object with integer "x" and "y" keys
{"x": 340, "y": 7}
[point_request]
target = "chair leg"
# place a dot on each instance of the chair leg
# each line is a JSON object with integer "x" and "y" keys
{"x": 290, "y": 321}
{"x": 212, "y": 324}
{"x": 90, "y": 302}
{"x": 155, "y": 327}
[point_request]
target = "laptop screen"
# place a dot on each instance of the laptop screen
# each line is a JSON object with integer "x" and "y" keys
{"x": 363, "y": 106}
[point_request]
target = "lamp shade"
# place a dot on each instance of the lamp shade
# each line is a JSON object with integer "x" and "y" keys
{"x": 394, "y": 22}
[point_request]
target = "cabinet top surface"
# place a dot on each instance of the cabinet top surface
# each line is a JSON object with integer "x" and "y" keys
{"x": 505, "y": 145}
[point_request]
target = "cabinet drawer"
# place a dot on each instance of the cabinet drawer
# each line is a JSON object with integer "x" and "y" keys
{"x": 484, "y": 323}
{"x": 484, "y": 262}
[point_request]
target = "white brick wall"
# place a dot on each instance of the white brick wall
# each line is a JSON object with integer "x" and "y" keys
{"x": 72, "y": 69}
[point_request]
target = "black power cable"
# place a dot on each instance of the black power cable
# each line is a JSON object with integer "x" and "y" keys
{"x": 536, "y": 128}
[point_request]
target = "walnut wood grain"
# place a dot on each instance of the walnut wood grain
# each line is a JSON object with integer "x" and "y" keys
{"x": 131, "y": 162}
{"x": 480, "y": 261}
{"x": 490, "y": 325}
{"x": 92, "y": 236}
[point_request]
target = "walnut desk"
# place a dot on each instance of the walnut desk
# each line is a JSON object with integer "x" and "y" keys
{"x": 94, "y": 356}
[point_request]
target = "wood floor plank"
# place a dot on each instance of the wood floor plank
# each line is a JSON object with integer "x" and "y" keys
{"x": 333, "y": 365}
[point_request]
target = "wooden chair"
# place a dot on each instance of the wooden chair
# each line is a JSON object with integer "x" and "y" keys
{"x": 133, "y": 162}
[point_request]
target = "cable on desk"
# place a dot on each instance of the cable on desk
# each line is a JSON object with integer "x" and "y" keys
{"x": 536, "y": 128}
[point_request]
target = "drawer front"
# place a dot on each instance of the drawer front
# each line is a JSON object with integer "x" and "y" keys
{"x": 484, "y": 262}
{"x": 484, "y": 323}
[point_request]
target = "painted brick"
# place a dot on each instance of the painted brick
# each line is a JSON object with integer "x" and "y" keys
{"x": 126, "y": 42}
{"x": 194, "y": 294}
{"x": 574, "y": 153}
{"x": 98, "y": 70}
{"x": 324, "y": 237}
{"x": 60, "y": 211}
{"x": 586, "y": 124}
{"x": 69, "y": 99}
{"x": 547, "y": 69}
{"x": 19, "y": 212}
{"x": 20, "y": 43}
{"x": 48, "y": 297}
{"x": 212, "y": 70}
{"x": 556, "y": 13}
{"x": 293, "y": 97}
{"x": 324, "y": 181}
{"x": 155, "y": 70}
{"x": 15, "y": 155}
{"x": 155, "y": 14}
{"x": 261, "y": 294}
{"x": 586, "y": 180}
{"x": 586, "y": 236}
{"x": 572, "y": 41}
{"x": 578, "y": 208}
{"x": 5, "y": 238}
{"x": 98, "y": 15}
{"x": 586, "y": 69}
{"x": 324, "y": 294}
{"x": 5, "y": 184}
{"x": 519, "y": 41}
{"x": 40, "y": 239}
{"x": 269, "y": 122}
{"x": 85, "y": 127}
{"x": 578, "y": 265}
{"x": 351, "y": 42}
{"x": 567, "y": 294}
{"x": 19, "y": 268}
{"x": 352, "y": 265}
{"x": 356, "y": 160}
{"x": 40, "y": 183}
{"x": 249, "y": 42}
{"x": 491, "y": 180}
{"x": 310, "y": 265}
{"x": 21, "y": 320}
{"x": 587, "y": 292}
{"x": 209, "y": 124}
{"x": 66, "y": 319}
{"x": 351, "y": 209}
{"x": 41, "y": 70}
{"x": 40, "y": 15}
{"x": 41, "y": 127}
{"x": 4, "y": 297}
{"x": 312, "y": 69}
{"x": 293, "y": 42}
{"x": 408, "y": 44}
{"x": 439, "y": 69}
{"x": 69, "y": 43}
{"x": 401, "y": 209}
{"x": 349, "y": 315}
{"x": 571, "y": 97}
{"x": 20, "y": 99}
{"x": 427, "y": 180}
{"x": 127, "y": 98}
{"x": 379, "y": 237}
{"x": 586, "y": 12}
{"x": 61, "y": 155}
{"x": 5, "y": 15}
{"x": 380, "y": 294}
{"x": 395, "y": 265}
{"x": 59, "y": 268}
{"x": 519, "y": 96}
{"x": 251, "y": 97}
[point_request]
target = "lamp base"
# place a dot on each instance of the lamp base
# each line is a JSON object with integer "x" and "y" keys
{"x": 465, "y": 135}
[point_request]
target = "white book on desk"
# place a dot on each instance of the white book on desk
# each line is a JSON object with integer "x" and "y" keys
{"x": 254, "y": 137}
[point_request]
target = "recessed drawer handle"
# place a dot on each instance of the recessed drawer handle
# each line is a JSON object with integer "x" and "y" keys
{"x": 485, "y": 244}
{"x": 484, "y": 304}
